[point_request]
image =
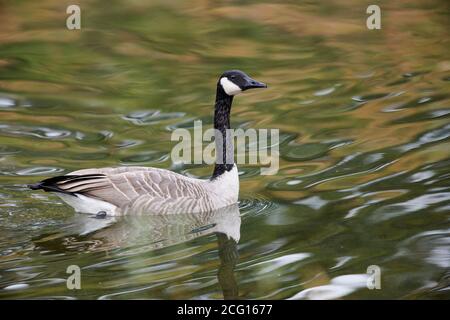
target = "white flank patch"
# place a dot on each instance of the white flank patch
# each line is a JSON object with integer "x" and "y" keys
{"x": 229, "y": 87}
{"x": 85, "y": 204}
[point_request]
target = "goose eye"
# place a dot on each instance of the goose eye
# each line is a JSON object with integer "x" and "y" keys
{"x": 233, "y": 77}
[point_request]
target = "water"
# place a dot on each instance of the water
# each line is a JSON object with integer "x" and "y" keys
{"x": 365, "y": 139}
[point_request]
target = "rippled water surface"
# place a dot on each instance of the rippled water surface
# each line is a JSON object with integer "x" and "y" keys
{"x": 364, "y": 125}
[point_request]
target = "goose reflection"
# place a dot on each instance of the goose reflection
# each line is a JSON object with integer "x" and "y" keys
{"x": 145, "y": 232}
{"x": 159, "y": 231}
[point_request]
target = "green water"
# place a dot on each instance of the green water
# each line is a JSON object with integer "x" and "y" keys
{"x": 364, "y": 126}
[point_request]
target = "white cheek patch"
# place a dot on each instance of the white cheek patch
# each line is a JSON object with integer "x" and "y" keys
{"x": 229, "y": 87}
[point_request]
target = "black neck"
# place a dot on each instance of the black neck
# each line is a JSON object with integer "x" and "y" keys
{"x": 224, "y": 143}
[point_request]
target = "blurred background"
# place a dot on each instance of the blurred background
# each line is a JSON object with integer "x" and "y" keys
{"x": 364, "y": 143}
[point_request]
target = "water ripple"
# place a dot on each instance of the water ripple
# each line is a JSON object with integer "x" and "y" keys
{"x": 38, "y": 132}
{"x": 39, "y": 171}
{"x": 148, "y": 117}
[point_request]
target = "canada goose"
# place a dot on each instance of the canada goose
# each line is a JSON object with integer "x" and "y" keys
{"x": 117, "y": 191}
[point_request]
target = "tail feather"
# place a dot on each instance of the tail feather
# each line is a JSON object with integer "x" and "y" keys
{"x": 56, "y": 184}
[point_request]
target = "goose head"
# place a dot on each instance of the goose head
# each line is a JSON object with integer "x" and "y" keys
{"x": 234, "y": 82}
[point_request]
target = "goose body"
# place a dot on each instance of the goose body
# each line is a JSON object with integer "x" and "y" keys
{"x": 138, "y": 190}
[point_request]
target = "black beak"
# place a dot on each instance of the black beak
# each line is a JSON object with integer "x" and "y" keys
{"x": 252, "y": 84}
